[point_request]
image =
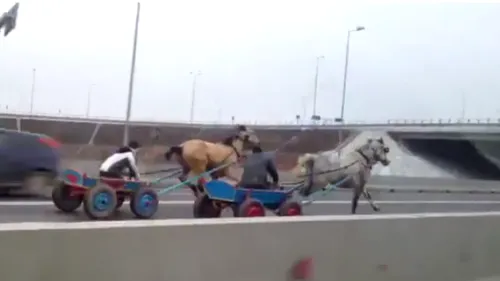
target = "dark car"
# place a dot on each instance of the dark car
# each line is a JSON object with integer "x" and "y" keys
{"x": 28, "y": 163}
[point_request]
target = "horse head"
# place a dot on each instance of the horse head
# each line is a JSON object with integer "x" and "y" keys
{"x": 248, "y": 136}
{"x": 377, "y": 151}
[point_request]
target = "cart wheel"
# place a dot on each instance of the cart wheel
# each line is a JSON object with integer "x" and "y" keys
{"x": 100, "y": 202}
{"x": 251, "y": 208}
{"x": 61, "y": 196}
{"x": 290, "y": 208}
{"x": 144, "y": 203}
{"x": 204, "y": 208}
{"x": 119, "y": 201}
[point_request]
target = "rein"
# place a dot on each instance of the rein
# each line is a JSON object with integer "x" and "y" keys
{"x": 234, "y": 148}
{"x": 329, "y": 171}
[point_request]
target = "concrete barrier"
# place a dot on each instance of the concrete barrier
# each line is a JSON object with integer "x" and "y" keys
{"x": 409, "y": 247}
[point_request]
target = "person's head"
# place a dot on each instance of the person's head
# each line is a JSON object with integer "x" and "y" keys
{"x": 134, "y": 145}
{"x": 256, "y": 149}
{"x": 248, "y": 136}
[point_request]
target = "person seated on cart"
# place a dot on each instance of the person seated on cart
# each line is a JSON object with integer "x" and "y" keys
{"x": 124, "y": 158}
{"x": 256, "y": 168}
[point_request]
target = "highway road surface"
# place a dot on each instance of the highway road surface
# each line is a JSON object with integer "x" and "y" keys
{"x": 179, "y": 205}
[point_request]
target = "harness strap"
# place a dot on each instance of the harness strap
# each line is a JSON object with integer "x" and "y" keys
{"x": 340, "y": 168}
{"x": 364, "y": 156}
{"x": 234, "y": 148}
{"x": 235, "y": 151}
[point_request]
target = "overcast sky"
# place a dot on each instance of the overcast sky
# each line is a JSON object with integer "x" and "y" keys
{"x": 257, "y": 60}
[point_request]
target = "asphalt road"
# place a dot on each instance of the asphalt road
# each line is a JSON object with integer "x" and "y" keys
{"x": 179, "y": 205}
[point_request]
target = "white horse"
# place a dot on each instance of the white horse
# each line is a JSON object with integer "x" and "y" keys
{"x": 353, "y": 170}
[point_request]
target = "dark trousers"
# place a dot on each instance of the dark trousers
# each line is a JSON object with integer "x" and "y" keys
{"x": 256, "y": 186}
{"x": 112, "y": 175}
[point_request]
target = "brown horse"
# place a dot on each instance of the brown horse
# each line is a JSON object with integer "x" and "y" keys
{"x": 198, "y": 156}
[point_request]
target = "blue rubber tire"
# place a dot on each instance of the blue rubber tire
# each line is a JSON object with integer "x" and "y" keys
{"x": 144, "y": 203}
{"x": 100, "y": 202}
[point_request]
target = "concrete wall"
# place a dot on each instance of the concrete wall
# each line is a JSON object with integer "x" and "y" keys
{"x": 403, "y": 162}
{"x": 430, "y": 247}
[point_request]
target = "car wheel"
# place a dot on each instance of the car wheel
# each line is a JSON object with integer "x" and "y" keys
{"x": 4, "y": 191}
{"x": 38, "y": 184}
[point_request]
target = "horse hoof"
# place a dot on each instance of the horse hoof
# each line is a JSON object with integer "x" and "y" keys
{"x": 376, "y": 209}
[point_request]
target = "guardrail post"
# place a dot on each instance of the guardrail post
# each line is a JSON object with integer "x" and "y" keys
{"x": 18, "y": 124}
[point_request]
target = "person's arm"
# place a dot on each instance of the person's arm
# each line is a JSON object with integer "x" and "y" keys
{"x": 132, "y": 166}
{"x": 271, "y": 169}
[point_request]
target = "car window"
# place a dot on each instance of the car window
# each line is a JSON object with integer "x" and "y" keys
{"x": 14, "y": 140}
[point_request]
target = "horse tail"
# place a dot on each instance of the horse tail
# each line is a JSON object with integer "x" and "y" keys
{"x": 177, "y": 150}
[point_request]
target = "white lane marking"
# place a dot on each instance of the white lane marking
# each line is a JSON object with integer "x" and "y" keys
{"x": 29, "y": 226}
{"x": 319, "y": 202}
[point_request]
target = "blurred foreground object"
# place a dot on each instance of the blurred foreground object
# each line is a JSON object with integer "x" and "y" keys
{"x": 8, "y": 20}
{"x": 301, "y": 270}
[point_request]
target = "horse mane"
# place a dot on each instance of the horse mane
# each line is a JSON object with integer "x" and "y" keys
{"x": 364, "y": 146}
{"x": 229, "y": 140}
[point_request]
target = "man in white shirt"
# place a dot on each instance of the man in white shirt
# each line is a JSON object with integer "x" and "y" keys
{"x": 123, "y": 158}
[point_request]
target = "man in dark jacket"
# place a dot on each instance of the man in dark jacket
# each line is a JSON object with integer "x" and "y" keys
{"x": 256, "y": 168}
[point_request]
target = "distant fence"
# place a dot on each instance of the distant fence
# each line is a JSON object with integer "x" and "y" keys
{"x": 294, "y": 123}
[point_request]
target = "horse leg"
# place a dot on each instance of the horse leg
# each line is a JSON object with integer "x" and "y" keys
{"x": 356, "y": 193}
{"x": 368, "y": 197}
{"x": 193, "y": 188}
{"x": 215, "y": 174}
{"x": 184, "y": 173}
{"x": 184, "y": 176}
{"x": 196, "y": 171}
{"x": 364, "y": 175}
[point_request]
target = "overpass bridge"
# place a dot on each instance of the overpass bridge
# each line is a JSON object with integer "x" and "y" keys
{"x": 468, "y": 147}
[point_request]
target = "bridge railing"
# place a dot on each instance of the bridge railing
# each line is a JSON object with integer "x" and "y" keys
{"x": 445, "y": 121}
{"x": 291, "y": 123}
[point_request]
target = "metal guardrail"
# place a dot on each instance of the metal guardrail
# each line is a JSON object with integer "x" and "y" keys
{"x": 326, "y": 123}
{"x": 435, "y": 190}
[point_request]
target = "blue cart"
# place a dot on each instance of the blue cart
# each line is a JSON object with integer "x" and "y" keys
{"x": 245, "y": 202}
{"x": 101, "y": 197}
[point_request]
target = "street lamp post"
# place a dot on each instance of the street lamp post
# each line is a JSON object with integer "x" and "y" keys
{"x": 89, "y": 93}
{"x": 346, "y": 66}
{"x": 316, "y": 83}
{"x": 193, "y": 95}
{"x": 304, "y": 108}
{"x": 131, "y": 81}
{"x": 33, "y": 80}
